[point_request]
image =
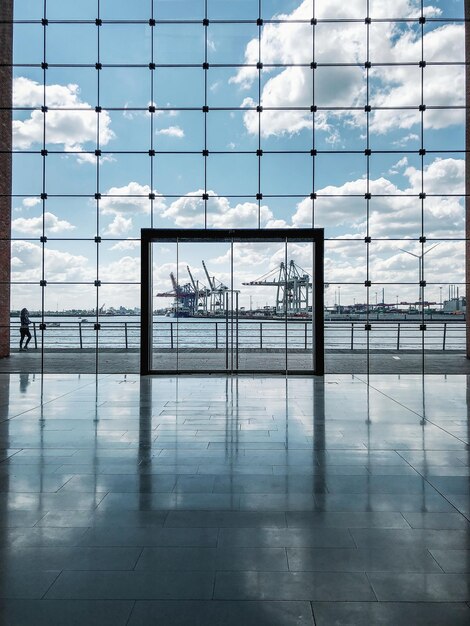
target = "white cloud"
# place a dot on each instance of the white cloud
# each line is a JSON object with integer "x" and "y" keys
{"x": 127, "y": 244}
{"x": 129, "y": 199}
{"x": 188, "y": 212}
{"x": 406, "y": 139}
{"x": 27, "y": 203}
{"x": 86, "y": 157}
{"x": 119, "y": 226}
{"x": 72, "y": 129}
{"x": 123, "y": 203}
{"x": 345, "y": 86}
{"x": 129, "y": 115}
{"x": 394, "y": 212}
{"x": 171, "y": 131}
{"x": 126, "y": 269}
{"x": 30, "y": 202}
{"x": 33, "y": 226}
{"x": 60, "y": 266}
{"x": 401, "y": 85}
{"x": 401, "y": 163}
{"x": 442, "y": 176}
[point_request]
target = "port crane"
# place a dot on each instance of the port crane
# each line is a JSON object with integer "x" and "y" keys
{"x": 202, "y": 293}
{"x": 184, "y": 296}
{"x": 293, "y": 286}
{"x": 217, "y": 293}
{"x": 195, "y": 298}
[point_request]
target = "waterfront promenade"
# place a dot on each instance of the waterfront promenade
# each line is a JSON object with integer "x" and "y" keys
{"x": 336, "y": 362}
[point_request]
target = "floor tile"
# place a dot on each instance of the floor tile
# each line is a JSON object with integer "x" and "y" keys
{"x": 65, "y": 558}
{"x": 453, "y": 561}
{"x": 415, "y": 537}
{"x": 60, "y": 612}
{"x": 361, "y": 560}
{"x": 248, "y": 613}
{"x": 286, "y": 538}
{"x": 149, "y": 536}
{"x": 388, "y": 613}
{"x": 26, "y": 583}
{"x": 211, "y": 559}
{"x": 292, "y": 586}
{"x": 351, "y": 519}
{"x": 437, "y": 521}
{"x": 137, "y": 585}
{"x": 405, "y": 587}
{"x": 225, "y": 519}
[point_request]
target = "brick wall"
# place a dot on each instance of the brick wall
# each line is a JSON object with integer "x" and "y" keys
{"x": 467, "y": 171}
{"x": 6, "y": 40}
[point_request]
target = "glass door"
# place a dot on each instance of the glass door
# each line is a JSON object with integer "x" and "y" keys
{"x": 241, "y": 301}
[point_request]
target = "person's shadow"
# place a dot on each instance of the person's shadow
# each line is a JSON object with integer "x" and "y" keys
{"x": 24, "y": 382}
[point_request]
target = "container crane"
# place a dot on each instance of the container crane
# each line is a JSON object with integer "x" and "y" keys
{"x": 217, "y": 293}
{"x": 185, "y": 298}
{"x": 202, "y": 294}
{"x": 293, "y": 286}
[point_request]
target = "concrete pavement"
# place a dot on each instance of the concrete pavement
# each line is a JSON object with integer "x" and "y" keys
{"x": 127, "y": 361}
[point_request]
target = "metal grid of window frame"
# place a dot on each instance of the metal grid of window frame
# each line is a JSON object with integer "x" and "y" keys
{"x": 153, "y": 22}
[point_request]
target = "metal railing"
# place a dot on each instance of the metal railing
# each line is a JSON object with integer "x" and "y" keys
{"x": 213, "y": 334}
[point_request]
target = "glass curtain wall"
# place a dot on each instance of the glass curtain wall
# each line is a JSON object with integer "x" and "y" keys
{"x": 347, "y": 116}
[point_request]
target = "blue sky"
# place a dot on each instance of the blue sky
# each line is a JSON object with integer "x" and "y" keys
{"x": 178, "y": 179}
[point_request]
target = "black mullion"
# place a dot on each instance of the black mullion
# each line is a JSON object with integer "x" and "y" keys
{"x": 259, "y": 194}
{"x": 151, "y": 112}
{"x": 368, "y": 238}
{"x": 97, "y": 282}
{"x": 231, "y": 309}
{"x": 44, "y": 190}
{"x": 286, "y": 303}
{"x": 205, "y": 108}
{"x": 177, "y": 306}
{"x": 422, "y": 237}
{"x": 313, "y": 113}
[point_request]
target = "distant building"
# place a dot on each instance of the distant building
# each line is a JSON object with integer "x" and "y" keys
{"x": 455, "y": 305}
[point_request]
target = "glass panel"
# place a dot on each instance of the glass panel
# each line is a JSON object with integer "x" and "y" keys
{"x": 233, "y": 174}
{"x": 72, "y": 43}
{"x": 179, "y": 44}
{"x": 260, "y": 324}
{"x": 227, "y": 42}
{"x": 300, "y": 327}
{"x": 119, "y": 315}
{"x": 27, "y": 296}
{"x": 178, "y": 9}
{"x": 28, "y": 44}
{"x": 124, "y": 10}
{"x": 165, "y": 307}
{"x": 126, "y": 88}
{"x": 242, "y": 9}
{"x": 138, "y": 44}
{"x": 60, "y": 10}
{"x": 205, "y": 307}
{"x": 69, "y": 317}
{"x": 27, "y": 174}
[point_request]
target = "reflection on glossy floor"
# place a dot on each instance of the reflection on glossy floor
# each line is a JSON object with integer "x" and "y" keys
{"x": 214, "y": 500}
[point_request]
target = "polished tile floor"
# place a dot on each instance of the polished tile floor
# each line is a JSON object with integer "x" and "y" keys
{"x": 202, "y": 501}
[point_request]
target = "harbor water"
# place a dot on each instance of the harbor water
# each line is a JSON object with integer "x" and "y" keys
{"x": 123, "y": 332}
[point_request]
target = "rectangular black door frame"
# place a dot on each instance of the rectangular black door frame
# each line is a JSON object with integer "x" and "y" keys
{"x": 154, "y": 235}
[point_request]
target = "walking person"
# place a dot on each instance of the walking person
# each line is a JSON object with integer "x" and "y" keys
{"x": 24, "y": 329}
